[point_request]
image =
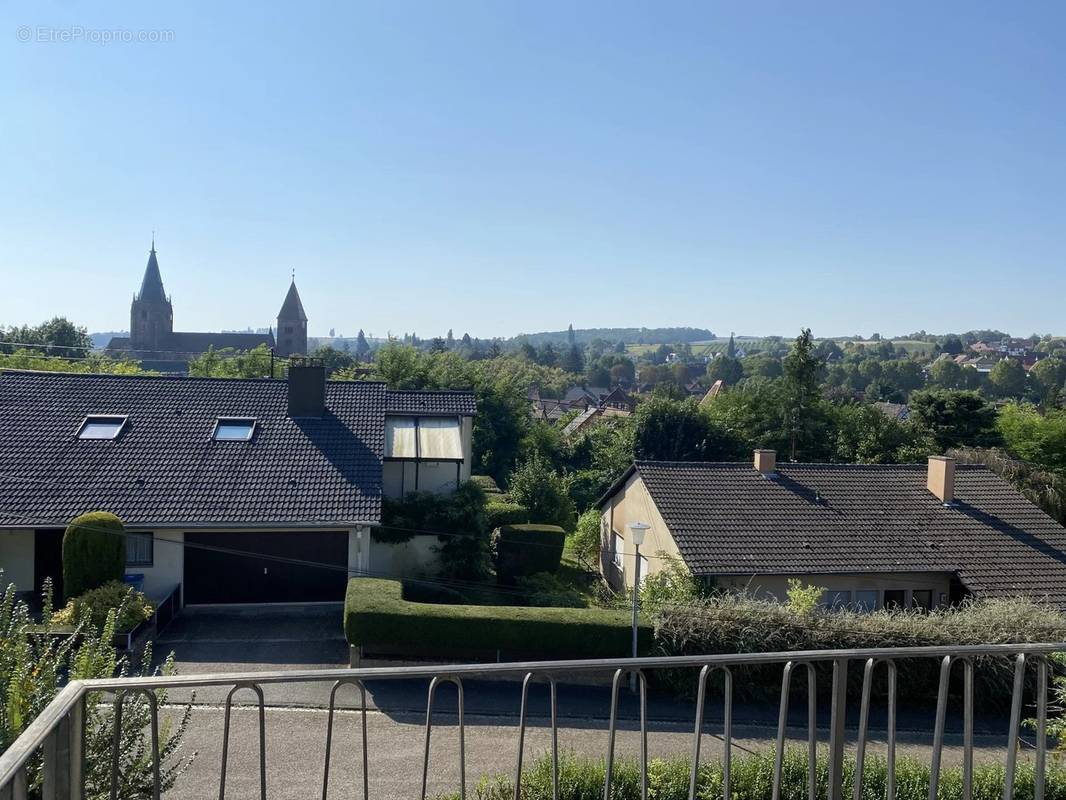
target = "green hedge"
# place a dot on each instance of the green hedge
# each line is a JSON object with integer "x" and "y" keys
{"x": 751, "y": 778}
{"x": 94, "y": 552}
{"x": 132, "y": 606}
{"x": 487, "y": 483}
{"x": 522, "y": 550}
{"x": 377, "y": 618}
{"x": 499, "y": 513}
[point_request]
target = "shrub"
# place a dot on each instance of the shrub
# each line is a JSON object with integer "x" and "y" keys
{"x": 34, "y": 667}
{"x": 498, "y": 514}
{"x": 803, "y": 597}
{"x": 549, "y": 590}
{"x": 487, "y": 483}
{"x": 671, "y": 585}
{"x": 95, "y": 604}
{"x": 733, "y": 623}
{"x": 527, "y": 549}
{"x": 585, "y": 542}
{"x": 94, "y": 552}
{"x": 377, "y": 616}
{"x": 416, "y": 591}
{"x": 751, "y": 777}
{"x": 544, "y": 492}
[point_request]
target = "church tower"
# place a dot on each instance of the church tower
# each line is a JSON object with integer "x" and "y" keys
{"x": 292, "y": 324}
{"x": 151, "y": 314}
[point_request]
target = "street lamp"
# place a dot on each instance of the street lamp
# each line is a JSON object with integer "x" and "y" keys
{"x": 637, "y": 531}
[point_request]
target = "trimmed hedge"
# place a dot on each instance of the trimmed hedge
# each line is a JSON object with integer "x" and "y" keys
{"x": 500, "y": 512}
{"x": 487, "y": 483}
{"x": 523, "y": 550}
{"x": 378, "y": 619}
{"x": 94, "y": 552}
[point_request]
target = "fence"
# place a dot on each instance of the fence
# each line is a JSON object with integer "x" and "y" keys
{"x": 59, "y": 731}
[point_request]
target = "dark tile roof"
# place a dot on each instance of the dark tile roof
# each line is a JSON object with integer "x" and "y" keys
{"x": 292, "y": 308}
{"x": 819, "y": 518}
{"x": 165, "y": 469}
{"x": 456, "y": 403}
{"x": 179, "y": 343}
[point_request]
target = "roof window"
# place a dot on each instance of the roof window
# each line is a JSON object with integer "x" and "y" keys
{"x": 102, "y": 426}
{"x": 234, "y": 429}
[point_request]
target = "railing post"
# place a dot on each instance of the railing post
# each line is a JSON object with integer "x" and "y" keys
{"x": 837, "y": 715}
{"x": 77, "y": 750}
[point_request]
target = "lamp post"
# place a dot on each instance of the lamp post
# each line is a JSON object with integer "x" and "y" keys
{"x": 637, "y": 531}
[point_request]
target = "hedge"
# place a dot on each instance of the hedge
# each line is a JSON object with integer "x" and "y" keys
{"x": 94, "y": 552}
{"x": 751, "y": 778}
{"x": 523, "y": 550}
{"x": 499, "y": 513}
{"x": 97, "y": 603}
{"x": 378, "y": 619}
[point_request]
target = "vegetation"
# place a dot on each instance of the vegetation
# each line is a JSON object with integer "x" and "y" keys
{"x": 36, "y": 661}
{"x": 94, "y": 552}
{"x": 544, "y": 492}
{"x": 94, "y": 606}
{"x": 377, "y": 615}
{"x": 751, "y": 778}
{"x": 523, "y": 550}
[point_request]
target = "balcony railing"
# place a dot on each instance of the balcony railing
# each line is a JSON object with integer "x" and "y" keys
{"x": 58, "y": 732}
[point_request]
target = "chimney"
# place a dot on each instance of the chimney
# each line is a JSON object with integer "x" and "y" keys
{"x": 766, "y": 461}
{"x": 941, "y": 481}
{"x": 307, "y": 388}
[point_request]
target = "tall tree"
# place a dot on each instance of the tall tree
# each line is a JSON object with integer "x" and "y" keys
{"x": 570, "y": 338}
{"x": 800, "y": 391}
{"x": 955, "y": 418}
{"x": 1007, "y": 378}
{"x": 362, "y": 346}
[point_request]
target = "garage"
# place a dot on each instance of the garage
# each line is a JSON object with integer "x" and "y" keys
{"x": 258, "y": 567}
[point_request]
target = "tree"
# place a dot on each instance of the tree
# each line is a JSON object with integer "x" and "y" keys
{"x": 1050, "y": 377}
{"x": 546, "y": 493}
{"x": 331, "y": 358}
{"x": 449, "y": 340}
{"x": 946, "y": 374}
{"x": 864, "y": 435}
{"x": 955, "y": 418}
{"x": 362, "y": 346}
{"x": 1037, "y": 438}
{"x": 731, "y": 348}
{"x": 573, "y": 360}
{"x": 904, "y": 374}
{"x": 56, "y": 337}
{"x": 547, "y": 356}
{"x": 597, "y": 375}
{"x": 672, "y": 430}
{"x": 528, "y": 351}
{"x": 763, "y": 366}
{"x": 727, "y": 369}
{"x": 570, "y": 338}
{"x": 1007, "y": 378}
{"x": 800, "y": 392}
{"x": 438, "y": 345}
{"x": 952, "y": 345}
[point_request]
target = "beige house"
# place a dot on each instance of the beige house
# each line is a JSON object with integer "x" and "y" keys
{"x": 871, "y": 535}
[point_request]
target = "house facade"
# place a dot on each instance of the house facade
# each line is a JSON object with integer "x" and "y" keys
{"x": 236, "y": 490}
{"x": 872, "y": 536}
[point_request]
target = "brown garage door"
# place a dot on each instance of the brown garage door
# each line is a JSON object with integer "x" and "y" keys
{"x": 254, "y": 567}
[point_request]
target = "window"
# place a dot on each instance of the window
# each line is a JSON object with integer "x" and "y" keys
{"x": 618, "y": 548}
{"x": 424, "y": 438}
{"x": 644, "y": 568}
{"x": 234, "y": 429}
{"x": 99, "y": 426}
{"x": 837, "y": 601}
{"x": 922, "y": 599}
{"x": 139, "y": 549}
{"x": 866, "y": 600}
{"x": 895, "y": 598}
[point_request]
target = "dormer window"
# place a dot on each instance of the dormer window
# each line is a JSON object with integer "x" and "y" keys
{"x": 234, "y": 429}
{"x": 102, "y": 426}
{"x": 423, "y": 438}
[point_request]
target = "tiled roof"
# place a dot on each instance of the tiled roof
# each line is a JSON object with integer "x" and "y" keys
{"x": 456, "y": 403}
{"x": 574, "y": 425}
{"x": 191, "y": 342}
{"x": 819, "y": 518}
{"x": 165, "y": 468}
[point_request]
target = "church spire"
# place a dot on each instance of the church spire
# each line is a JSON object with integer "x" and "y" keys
{"x": 152, "y": 285}
{"x": 292, "y": 309}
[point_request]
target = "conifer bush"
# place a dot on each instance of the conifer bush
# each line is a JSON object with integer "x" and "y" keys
{"x": 94, "y": 552}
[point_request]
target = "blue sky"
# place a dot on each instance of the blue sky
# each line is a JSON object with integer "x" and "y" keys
{"x": 500, "y": 167}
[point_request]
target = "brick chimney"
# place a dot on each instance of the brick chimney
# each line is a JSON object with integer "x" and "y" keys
{"x": 766, "y": 461}
{"x": 307, "y": 388}
{"x": 941, "y": 480}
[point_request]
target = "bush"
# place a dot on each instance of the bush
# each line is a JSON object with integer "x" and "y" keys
{"x": 95, "y": 604}
{"x": 94, "y": 552}
{"x": 549, "y": 590}
{"x": 498, "y": 514}
{"x": 377, "y": 616}
{"x": 732, "y": 623}
{"x": 672, "y": 584}
{"x": 546, "y": 493}
{"x": 416, "y": 591}
{"x": 522, "y": 550}
{"x": 487, "y": 483}
{"x": 585, "y": 542}
{"x": 751, "y": 778}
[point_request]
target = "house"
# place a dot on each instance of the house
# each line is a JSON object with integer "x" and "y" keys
{"x": 154, "y": 342}
{"x": 228, "y": 487}
{"x": 900, "y": 412}
{"x": 872, "y": 535}
{"x": 713, "y": 392}
{"x": 589, "y": 417}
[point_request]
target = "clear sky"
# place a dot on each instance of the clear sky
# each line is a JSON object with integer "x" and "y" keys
{"x": 499, "y": 167}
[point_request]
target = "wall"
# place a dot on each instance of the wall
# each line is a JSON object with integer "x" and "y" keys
{"x": 16, "y": 559}
{"x": 776, "y": 586}
{"x": 633, "y": 503}
{"x": 168, "y": 563}
{"x": 415, "y": 557}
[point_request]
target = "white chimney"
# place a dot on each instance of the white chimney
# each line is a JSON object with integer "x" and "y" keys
{"x": 766, "y": 461}
{"x": 941, "y": 481}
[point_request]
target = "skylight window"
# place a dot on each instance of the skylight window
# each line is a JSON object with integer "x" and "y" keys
{"x": 234, "y": 430}
{"x": 101, "y": 426}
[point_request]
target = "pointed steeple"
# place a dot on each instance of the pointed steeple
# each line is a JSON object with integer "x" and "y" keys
{"x": 292, "y": 308}
{"x": 152, "y": 285}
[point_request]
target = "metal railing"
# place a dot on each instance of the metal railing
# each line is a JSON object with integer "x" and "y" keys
{"x": 59, "y": 731}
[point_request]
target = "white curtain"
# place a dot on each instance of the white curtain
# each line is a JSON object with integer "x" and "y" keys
{"x": 439, "y": 438}
{"x": 400, "y": 437}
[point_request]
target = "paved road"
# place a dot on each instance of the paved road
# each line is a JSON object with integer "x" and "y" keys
{"x": 310, "y": 637}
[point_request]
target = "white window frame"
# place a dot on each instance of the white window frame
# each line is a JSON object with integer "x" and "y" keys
{"x": 234, "y": 421}
{"x": 618, "y": 550}
{"x": 140, "y": 536}
{"x": 102, "y": 419}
